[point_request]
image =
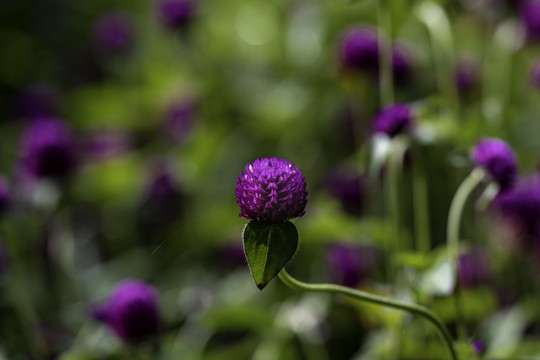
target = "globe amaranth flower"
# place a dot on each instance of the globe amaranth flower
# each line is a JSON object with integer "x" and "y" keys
{"x": 348, "y": 186}
{"x": 350, "y": 263}
{"x": 114, "y": 33}
{"x": 520, "y": 206}
{"x": 271, "y": 191}
{"x": 393, "y": 120}
{"x": 498, "y": 159}
{"x": 359, "y": 49}
{"x": 176, "y": 13}
{"x": 473, "y": 268}
{"x": 530, "y": 16}
{"x": 47, "y": 148}
{"x": 132, "y": 311}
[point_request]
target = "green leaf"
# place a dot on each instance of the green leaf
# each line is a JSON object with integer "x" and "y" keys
{"x": 268, "y": 249}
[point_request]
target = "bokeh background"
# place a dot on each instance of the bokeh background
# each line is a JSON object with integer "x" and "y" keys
{"x": 159, "y": 108}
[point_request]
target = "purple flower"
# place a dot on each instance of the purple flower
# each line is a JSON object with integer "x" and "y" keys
{"x": 530, "y": 16}
{"x": 466, "y": 77}
{"x": 520, "y": 206}
{"x": 359, "y": 49}
{"x": 498, "y": 159}
{"x": 132, "y": 310}
{"x": 113, "y": 33}
{"x": 47, "y": 148}
{"x": 350, "y": 263}
{"x": 393, "y": 120}
{"x": 401, "y": 64}
{"x": 176, "y": 13}
{"x": 478, "y": 346}
{"x": 535, "y": 75}
{"x": 473, "y": 268}
{"x": 179, "y": 121}
{"x": 5, "y": 200}
{"x": 348, "y": 187}
{"x": 271, "y": 191}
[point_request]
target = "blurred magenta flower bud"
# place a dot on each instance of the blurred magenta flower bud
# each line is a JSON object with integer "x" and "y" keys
{"x": 530, "y": 16}
{"x": 401, "y": 64}
{"x": 466, "y": 77}
{"x": 176, "y": 13}
{"x": 47, "y": 148}
{"x": 271, "y": 191}
{"x": 114, "y": 33}
{"x": 131, "y": 311}
{"x": 359, "y": 49}
{"x": 179, "y": 121}
{"x": 478, "y": 347}
{"x": 348, "y": 186}
{"x": 393, "y": 120}
{"x": 473, "y": 268}
{"x": 498, "y": 159}
{"x": 520, "y": 206}
{"x": 5, "y": 198}
{"x": 350, "y": 263}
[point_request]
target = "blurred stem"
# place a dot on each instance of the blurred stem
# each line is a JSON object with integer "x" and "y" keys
{"x": 421, "y": 206}
{"x": 386, "y": 83}
{"x": 395, "y": 169}
{"x": 452, "y": 236}
{"x": 374, "y": 299}
{"x": 442, "y": 47}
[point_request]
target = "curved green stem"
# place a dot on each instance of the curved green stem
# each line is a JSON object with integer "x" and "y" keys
{"x": 452, "y": 233}
{"x": 374, "y": 299}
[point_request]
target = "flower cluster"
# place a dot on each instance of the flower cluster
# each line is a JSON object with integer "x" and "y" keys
{"x": 271, "y": 191}
{"x": 498, "y": 159}
{"x": 393, "y": 120}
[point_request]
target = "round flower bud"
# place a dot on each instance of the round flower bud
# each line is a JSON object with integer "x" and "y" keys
{"x": 401, "y": 64}
{"x": 393, "y": 120}
{"x": 530, "y": 16}
{"x": 113, "y": 33}
{"x": 47, "y": 148}
{"x": 131, "y": 311}
{"x": 498, "y": 159}
{"x": 176, "y": 13}
{"x": 359, "y": 49}
{"x": 271, "y": 191}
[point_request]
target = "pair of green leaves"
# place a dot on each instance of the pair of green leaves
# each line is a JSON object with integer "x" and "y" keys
{"x": 268, "y": 249}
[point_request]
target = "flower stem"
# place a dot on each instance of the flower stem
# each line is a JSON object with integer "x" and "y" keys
{"x": 421, "y": 208}
{"x": 452, "y": 233}
{"x": 374, "y": 299}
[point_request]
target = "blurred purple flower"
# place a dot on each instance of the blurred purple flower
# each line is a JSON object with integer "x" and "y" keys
{"x": 466, "y": 77}
{"x": 5, "y": 198}
{"x": 401, "y": 64}
{"x": 393, "y": 120}
{"x": 179, "y": 121}
{"x": 520, "y": 206}
{"x": 535, "y": 75}
{"x": 131, "y": 311}
{"x": 47, "y": 148}
{"x": 530, "y": 16}
{"x": 176, "y": 13}
{"x": 163, "y": 200}
{"x": 348, "y": 186}
{"x": 114, "y": 33}
{"x": 271, "y": 191}
{"x": 473, "y": 268}
{"x": 38, "y": 100}
{"x": 359, "y": 49}
{"x": 498, "y": 159}
{"x": 350, "y": 263}
{"x": 106, "y": 144}
{"x": 478, "y": 347}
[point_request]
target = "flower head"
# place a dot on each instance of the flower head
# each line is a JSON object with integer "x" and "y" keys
{"x": 473, "y": 268}
{"x": 349, "y": 263}
{"x": 47, "y": 148}
{"x": 401, "y": 64}
{"x": 393, "y": 120}
{"x": 498, "y": 159}
{"x": 530, "y": 16}
{"x": 131, "y": 311}
{"x": 348, "y": 187}
{"x": 176, "y": 13}
{"x": 359, "y": 49}
{"x": 113, "y": 33}
{"x": 271, "y": 191}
